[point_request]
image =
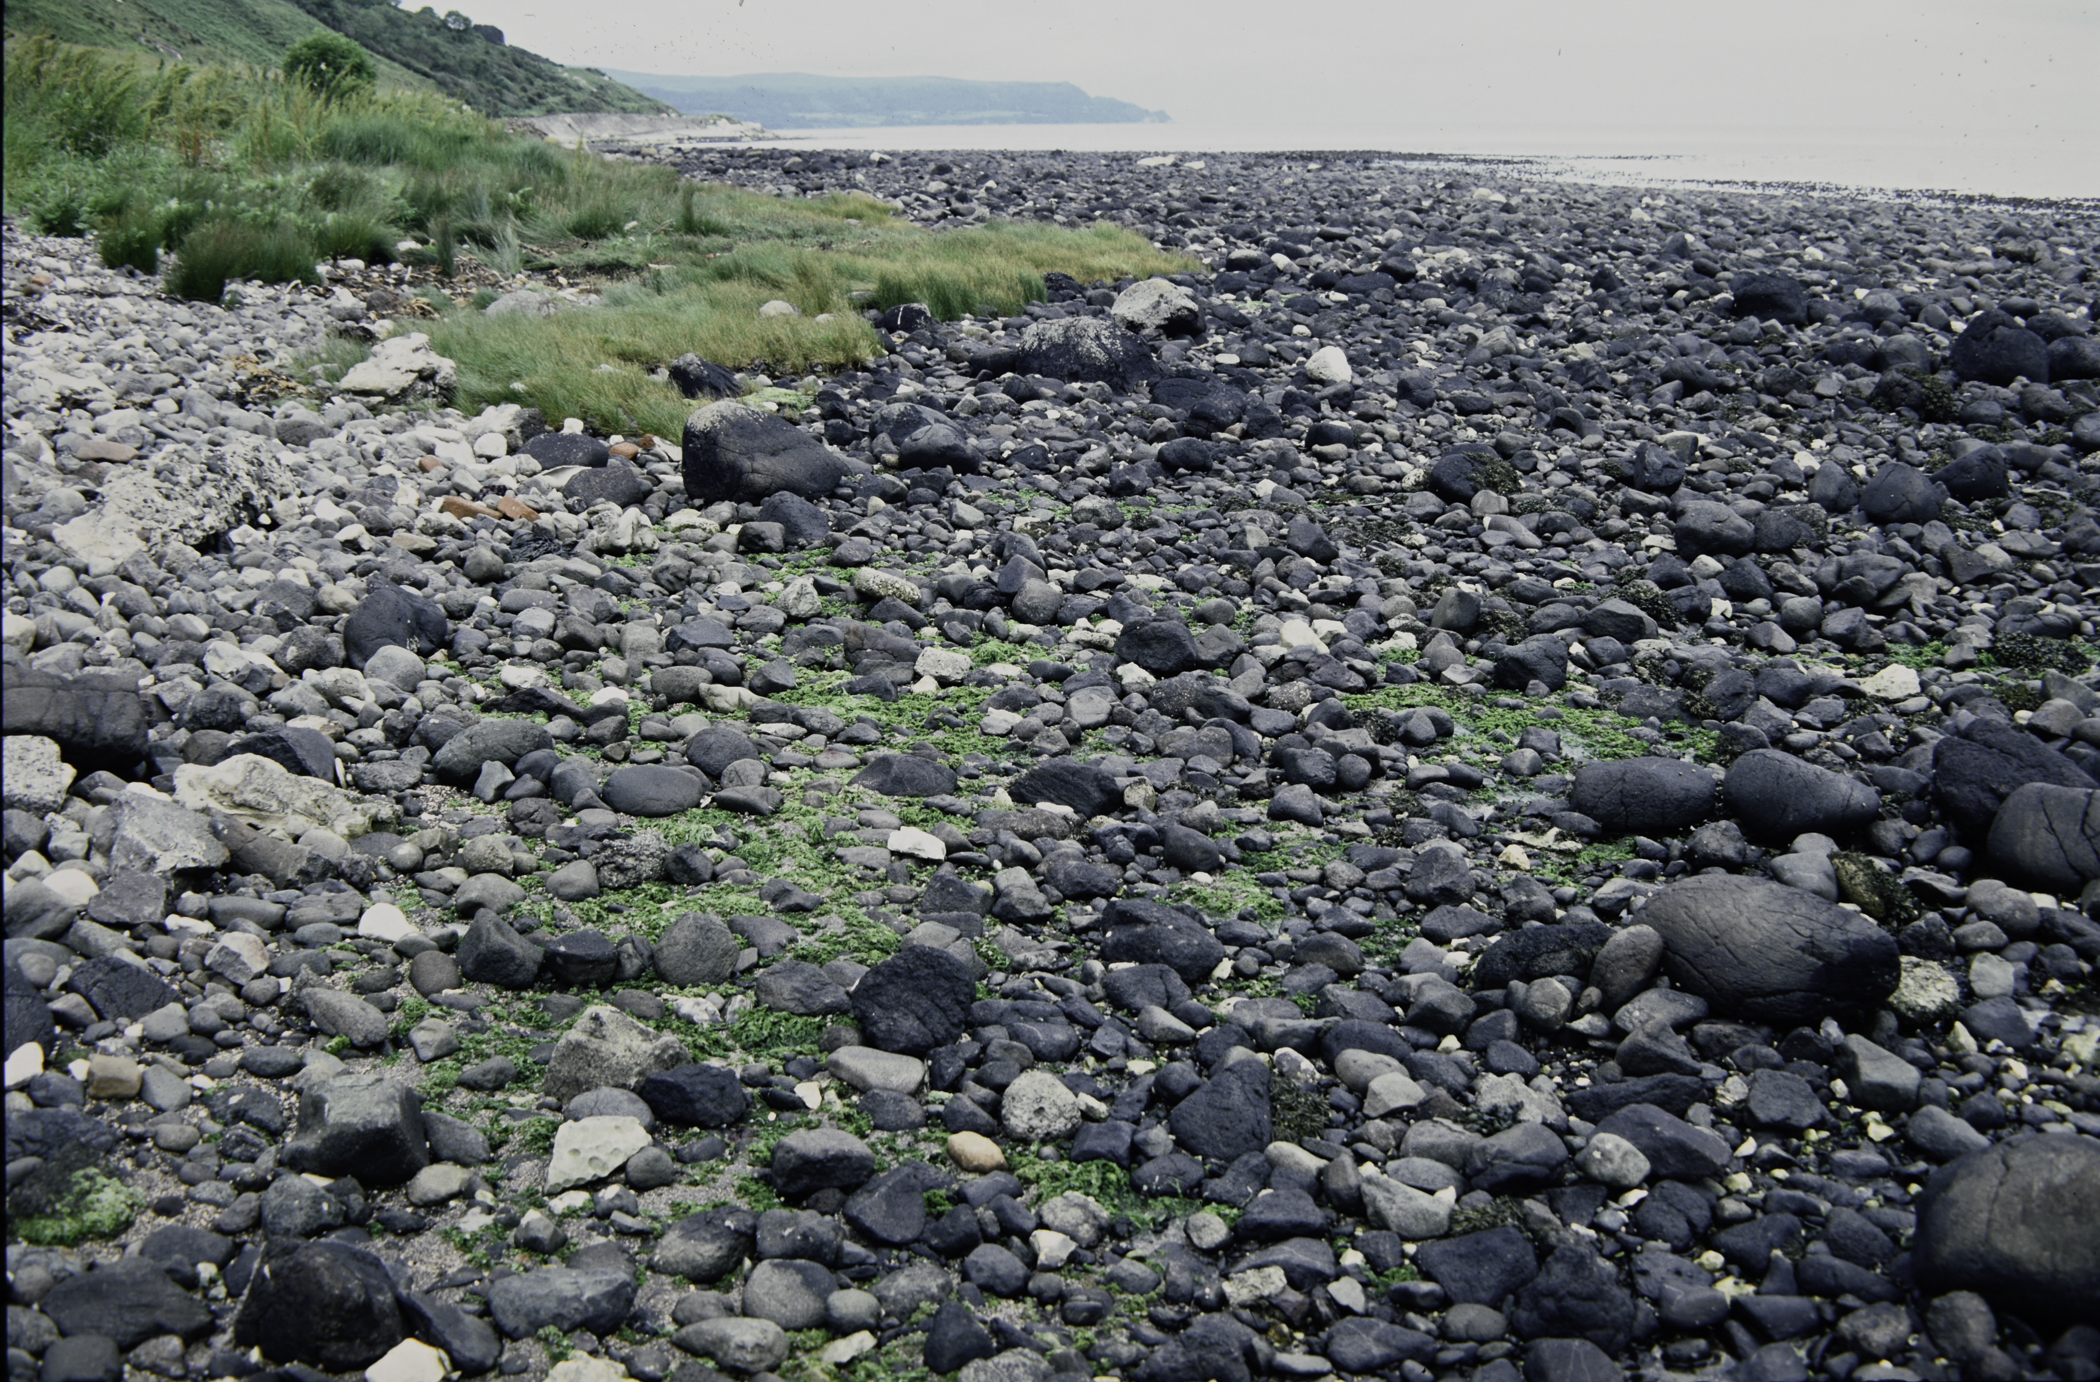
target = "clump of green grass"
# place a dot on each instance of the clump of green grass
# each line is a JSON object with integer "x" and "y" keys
{"x": 600, "y": 365}
{"x": 219, "y": 251}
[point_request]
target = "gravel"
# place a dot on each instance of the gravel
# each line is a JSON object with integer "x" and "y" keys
{"x": 1501, "y": 782}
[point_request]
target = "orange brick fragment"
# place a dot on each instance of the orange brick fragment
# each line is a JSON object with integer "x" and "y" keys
{"x": 464, "y": 508}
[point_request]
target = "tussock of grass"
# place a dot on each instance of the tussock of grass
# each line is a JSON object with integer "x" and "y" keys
{"x": 598, "y": 365}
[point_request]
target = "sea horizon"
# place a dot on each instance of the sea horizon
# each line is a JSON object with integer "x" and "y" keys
{"x": 1993, "y": 168}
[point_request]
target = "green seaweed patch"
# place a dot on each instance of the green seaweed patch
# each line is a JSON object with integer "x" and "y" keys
{"x": 89, "y": 1202}
{"x": 2031, "y": 652}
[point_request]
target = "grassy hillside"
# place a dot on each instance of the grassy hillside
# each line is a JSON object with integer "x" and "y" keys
{"x": 800, "y": 100}
{"x": 463, "y": 61}
{"x": 251, "y": 33}
{"x": 418, "y": 50}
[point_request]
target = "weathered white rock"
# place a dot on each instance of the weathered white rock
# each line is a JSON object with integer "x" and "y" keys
{"x": 262, "y": 793}
{"x": 33, "y": 776}
{"x": 588, "y": 1149}
{"x": 1038, "y": 1107}
{"x": 1328, "y": 365}
{"x": 402, "y": 369}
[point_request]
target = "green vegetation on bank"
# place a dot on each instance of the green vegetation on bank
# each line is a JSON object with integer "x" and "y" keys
{"x": 600, "y": 364}
{"x": 415, "y": 49}
{"x": 259, "y": 176}
{"x": 470, "y": 62}
{"x": 238, "y": 175}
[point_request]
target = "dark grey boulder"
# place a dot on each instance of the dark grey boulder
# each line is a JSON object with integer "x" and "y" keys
{"x": 1579, "y": 1360}
{"x": 1539, "y": 952}
{"x": 801, "y": 522}
{"x": 35, "y": 912}
{"x": 698, "y": 378}
{"x": 1480, "y": 1268}
{"x": 906, "y": 775}
{"x": 129, "y": 1301}
{"x": 1778, "y": 796}
{"x": 2048, "y": 837}
{"x": 117, "y": 991}
{"x": 820, "y": 1159}
{"x": 97, "y": 719}
{"x": 1163, "y": 647}
{"x": 1705, "y": 528}
{"x": 488, "y": 741}
{"x": 650, "y": 789}
{"x": 1975, "y": 771}
{"x": 1762, "y": 950}
{"x": 1086, "y": 349}
{"x": 926, "y": 439}
{"x": 2019, "y": 1223}
{"x": 1654, "y": 469}
{"x": 1676, "y": 1149}
{"x": 915, "y": 1000}
{"x": 582, "y": 959}
{"x": 1995, "y": 348}
{"x": 718, "y": 746}
{"x": 554, "y": 450}
{"x": 1151, "y": 933}
{"x": 696, "y": 950}
{"x": 493, "y": 953}
{"x": 1188, "y": 454}
{"x": 1541, "y": 658}
{"x": 1902, "y": 493}
{"x": 363, "y": 1125}
{"x": 616, "y": 482}
{"x": 302, "y": 752}
{"x": 77, "y": 1358}
{"x": 27, "y": 1016}
{"x": 1229, "y": 1116}
{"x": 1978, "y": 475}
{"x": 1772, "y": 297}
{"x": 1517, "y": 1158}
{"x": 696, "y": 1096}
{"x": 1084, "y": 787}
{"x": 1377, "y": 1348}
{"x": 565, "y": 1298}
{"x": 389, "y": 616}
{"x": 1643, "y": 796}
{"x": 1575, "y": 1295}
{"x": 467, "y": 1340}
{"x": 2074, "y": 357}
{"x": 706, "y": 1246}
{"x": 1832, "y": 488}
{"x": 734, "y": 452}
{"x": 796, "y": 986}
{"x": 328, "y": 1304}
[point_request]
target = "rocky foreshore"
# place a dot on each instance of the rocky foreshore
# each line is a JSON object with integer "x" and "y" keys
{"x": 1500, "y": 783}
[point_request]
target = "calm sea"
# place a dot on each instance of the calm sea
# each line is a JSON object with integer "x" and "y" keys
{"x": 2061, "y": 168}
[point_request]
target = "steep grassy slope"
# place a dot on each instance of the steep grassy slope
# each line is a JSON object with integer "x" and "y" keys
{"x": 416, "y": 49}
{"x": 253, "y": 33}
{"x": 464, "y": 61}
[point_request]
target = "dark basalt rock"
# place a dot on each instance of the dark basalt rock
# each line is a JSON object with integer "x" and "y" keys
{"x": 734, "y": 452}
{"x": 1765, "y": 951}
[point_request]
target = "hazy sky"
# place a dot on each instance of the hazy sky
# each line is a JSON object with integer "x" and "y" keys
{"x": 2012, "y": 75}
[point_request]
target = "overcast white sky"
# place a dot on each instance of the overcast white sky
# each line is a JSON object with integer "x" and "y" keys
{"x": 2010, "y": 74}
